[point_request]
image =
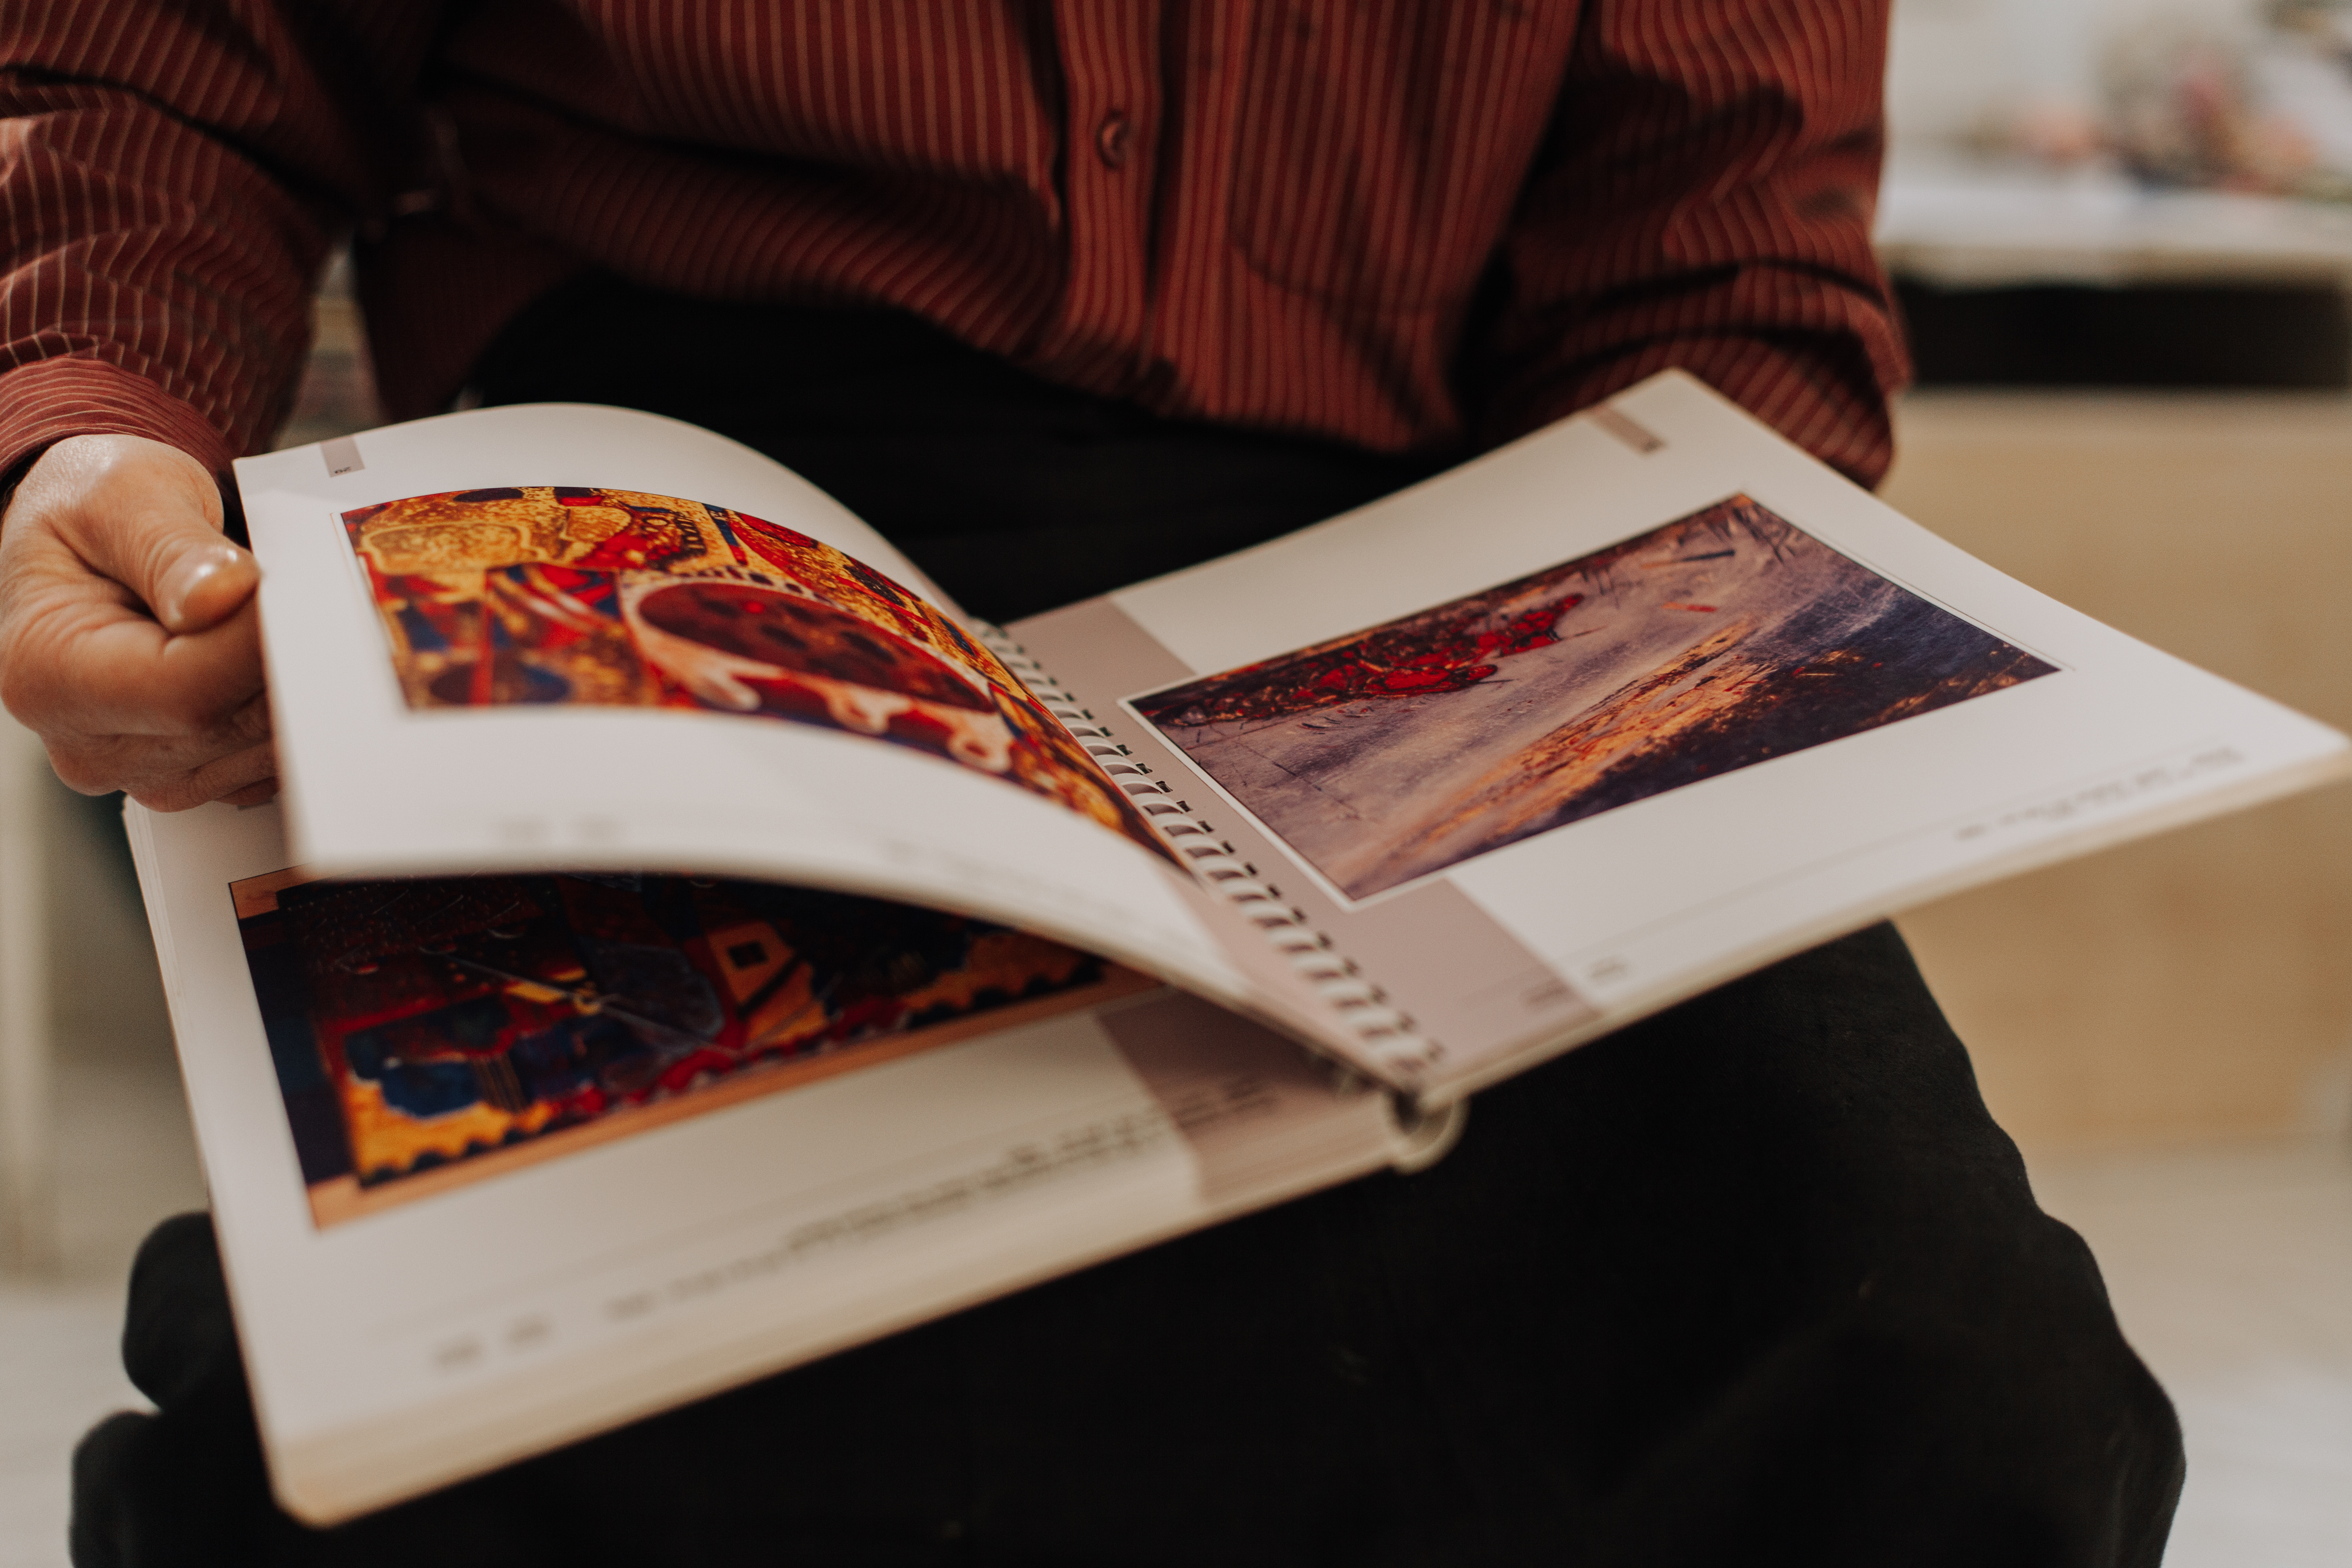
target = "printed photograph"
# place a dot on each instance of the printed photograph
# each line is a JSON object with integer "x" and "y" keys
{"x": 1715, "y": 642}
{"x": 430, "y": 1033}
{"x": 556, "y": 594}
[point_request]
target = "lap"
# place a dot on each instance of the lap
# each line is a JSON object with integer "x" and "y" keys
{"x": 1756, "y": 1278}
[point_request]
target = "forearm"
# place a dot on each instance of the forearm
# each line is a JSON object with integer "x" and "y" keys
{"x": 171, "y": 172}
{"x": 1706, "y": 203}
{"x": 170, "y": 180}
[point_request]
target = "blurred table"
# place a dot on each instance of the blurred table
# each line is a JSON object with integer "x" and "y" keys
{"x": 2013, "y": 274}
{"x": 1961, "y": 225}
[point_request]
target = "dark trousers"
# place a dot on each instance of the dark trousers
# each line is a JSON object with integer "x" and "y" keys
{"x": 1757, "y": 1282}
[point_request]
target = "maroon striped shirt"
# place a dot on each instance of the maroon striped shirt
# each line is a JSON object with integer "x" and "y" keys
{"x": 1404, "y": 223}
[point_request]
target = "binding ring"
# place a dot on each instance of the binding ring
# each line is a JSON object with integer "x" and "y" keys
{"x": 1363, "y": 1008}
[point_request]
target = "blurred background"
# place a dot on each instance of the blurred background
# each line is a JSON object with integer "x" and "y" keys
{"x": 2122, "y": 234}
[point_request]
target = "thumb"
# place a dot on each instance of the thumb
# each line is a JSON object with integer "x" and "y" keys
{"x": 148, "y": 516}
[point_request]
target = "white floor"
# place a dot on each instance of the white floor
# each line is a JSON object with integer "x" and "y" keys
{"x": 2231, "y": 1269}
{"x": 130, "y": 1162}
{"x": 127, "y": 1160}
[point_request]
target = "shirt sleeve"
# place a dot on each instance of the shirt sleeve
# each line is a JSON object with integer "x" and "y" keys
{"x": 170, "y": 178}
{"x": 1704, "y": 201}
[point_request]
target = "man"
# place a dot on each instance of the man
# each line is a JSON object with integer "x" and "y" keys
{"x": 1061, "y": 295}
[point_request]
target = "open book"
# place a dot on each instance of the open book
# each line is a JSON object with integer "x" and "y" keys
{"x": 689, "y": 945}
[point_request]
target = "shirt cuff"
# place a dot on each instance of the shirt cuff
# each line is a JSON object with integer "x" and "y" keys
{"x": 43, "y": 402}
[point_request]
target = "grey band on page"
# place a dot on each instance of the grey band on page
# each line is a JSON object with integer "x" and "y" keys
{"x": 1363, "y": 1009}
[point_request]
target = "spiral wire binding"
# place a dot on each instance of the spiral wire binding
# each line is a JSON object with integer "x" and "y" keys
{"x": 1389, "y": 1035}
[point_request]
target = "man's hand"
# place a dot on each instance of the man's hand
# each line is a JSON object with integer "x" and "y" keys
{"x": 130, "y": 635}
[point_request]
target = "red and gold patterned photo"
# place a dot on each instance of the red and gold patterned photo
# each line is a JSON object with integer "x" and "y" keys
{"x": 429, "y": 1033}
{"x": 551, "y": 593}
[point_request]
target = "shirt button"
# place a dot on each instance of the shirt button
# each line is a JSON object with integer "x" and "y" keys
{"x": 1111, "y": 139}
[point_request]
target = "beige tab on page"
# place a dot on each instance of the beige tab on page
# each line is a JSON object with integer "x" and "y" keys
{"x": 1632, "y": 433}
{"x": 343, "y": 455}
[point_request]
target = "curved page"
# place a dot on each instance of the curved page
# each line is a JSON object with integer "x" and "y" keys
{"x": 501, "y": 1161}
{"x": 564, "y": 636}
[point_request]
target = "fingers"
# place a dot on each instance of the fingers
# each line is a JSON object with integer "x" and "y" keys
{"x": 130, "y": 631}
{"x": 254, "y": 793}
{"x": 96, "y": 667}
{"x": 245, "y": 778}
{"x": 201, "y": 584}
{"x": 146, "y": 516}
{"x": 160, "y": 771}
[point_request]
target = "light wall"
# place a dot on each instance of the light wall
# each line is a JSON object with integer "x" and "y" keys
{"x": 2199, "y": 985}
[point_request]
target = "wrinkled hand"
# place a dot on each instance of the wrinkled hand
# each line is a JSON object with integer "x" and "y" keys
{"x": 129, "y": 632}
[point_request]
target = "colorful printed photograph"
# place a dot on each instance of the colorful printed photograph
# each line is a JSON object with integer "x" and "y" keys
{"x": 431, "y": 1033}
{"x": 1718, "y": 641}
{"x": 550, "y": 593}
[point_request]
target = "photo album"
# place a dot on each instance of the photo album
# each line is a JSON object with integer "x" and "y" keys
{"x": 688, "y": 945}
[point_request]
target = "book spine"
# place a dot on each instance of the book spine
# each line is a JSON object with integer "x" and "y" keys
{"x": 1386, "y": 1037}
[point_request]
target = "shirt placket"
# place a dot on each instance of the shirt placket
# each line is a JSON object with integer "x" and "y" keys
{"x": 1186, "y": 361}
{"x": 1112, "y": 151}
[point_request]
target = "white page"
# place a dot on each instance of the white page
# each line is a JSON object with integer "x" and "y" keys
{"x": 403, "y": 1346}
{"x": 1592, "y": 922}
{"x": 376, "y": 784}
